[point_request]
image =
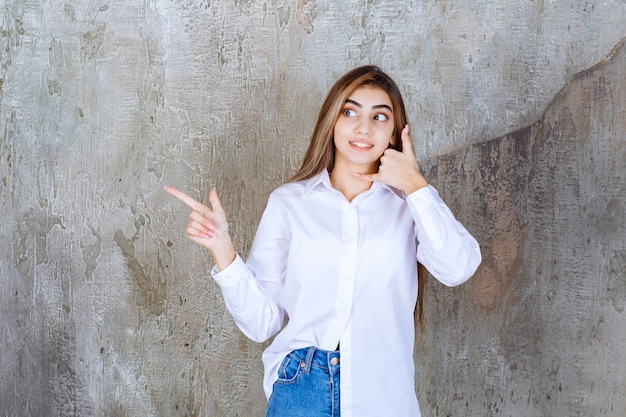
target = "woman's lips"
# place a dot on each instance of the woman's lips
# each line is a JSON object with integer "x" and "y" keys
{"x": 361, "y": 145}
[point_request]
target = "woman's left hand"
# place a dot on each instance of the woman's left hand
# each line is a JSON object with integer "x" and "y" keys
{"x": 399, "y": 169}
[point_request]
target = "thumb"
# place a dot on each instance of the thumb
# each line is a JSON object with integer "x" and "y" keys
{"x": 216, "y": 204}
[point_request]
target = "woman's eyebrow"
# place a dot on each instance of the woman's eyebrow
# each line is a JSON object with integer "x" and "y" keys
{"x": 377, "y": 106}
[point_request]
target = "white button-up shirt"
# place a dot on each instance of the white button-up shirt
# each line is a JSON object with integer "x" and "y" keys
{"x": 333, "y": 271}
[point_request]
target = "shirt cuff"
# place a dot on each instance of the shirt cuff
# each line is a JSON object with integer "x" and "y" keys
{"x": 229, "y": 276}
{"x": 421, "y": 199}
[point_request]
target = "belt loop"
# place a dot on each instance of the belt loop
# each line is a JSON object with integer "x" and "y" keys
{"x": 309, "y": 359}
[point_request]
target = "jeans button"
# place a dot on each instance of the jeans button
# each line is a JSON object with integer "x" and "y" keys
{"x": 334, "y": 361}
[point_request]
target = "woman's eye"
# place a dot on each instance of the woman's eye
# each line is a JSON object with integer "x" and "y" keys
{"x": 349, "y": 112}
{"x": 380, "y": 117}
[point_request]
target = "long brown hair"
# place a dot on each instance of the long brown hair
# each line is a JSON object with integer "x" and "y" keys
{"x": 321, "y": 152}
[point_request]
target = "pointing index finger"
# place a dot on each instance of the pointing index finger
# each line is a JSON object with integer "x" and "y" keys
{"x": 407, "y": 145}
{"x": 186, "y": 199}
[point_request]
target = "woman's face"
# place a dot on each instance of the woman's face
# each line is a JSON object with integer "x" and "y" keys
{"x": 363, "y": 130}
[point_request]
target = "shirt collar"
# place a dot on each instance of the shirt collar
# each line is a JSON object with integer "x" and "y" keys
{"x": 314, "y": 181}
{"x": 324, "y": 179}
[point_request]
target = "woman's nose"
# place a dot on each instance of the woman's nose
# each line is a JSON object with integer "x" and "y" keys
{"x": 363, "y": 126}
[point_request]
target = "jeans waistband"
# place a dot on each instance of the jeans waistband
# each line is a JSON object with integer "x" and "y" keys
{"x": 312, "y": 356}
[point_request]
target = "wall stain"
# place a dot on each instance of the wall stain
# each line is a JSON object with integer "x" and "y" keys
{"x": 70, "y": 11}
{"x": 306, "y": 13}
{"x": 153, "y": 94}
{"x": 154, "y": 81}
{"x": 91, "y": 252}
{"x": 11, "y": 35}
{"x": 152, "y": 290}
{"x": 495, "y": 173}
{"x": 93, "y": 38}
{"x": 616, "y": 282}
{"x": 56, "y": 67}
{"x": 62, "y": 381}
{"x": 46, "y": 221}
{"x": 283, "y": 13}
{"x": 21, "y": 248}
{"x": 37, "y": 224}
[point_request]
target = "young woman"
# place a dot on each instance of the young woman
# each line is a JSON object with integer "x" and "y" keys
{"x": 332, "y": 270}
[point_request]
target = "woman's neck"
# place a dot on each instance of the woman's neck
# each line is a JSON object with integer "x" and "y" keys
{"x": 343, "y": 180}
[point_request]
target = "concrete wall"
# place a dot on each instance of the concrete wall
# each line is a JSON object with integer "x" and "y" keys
{"x": 106, "y": 309}
{"x": 540, "y": 329}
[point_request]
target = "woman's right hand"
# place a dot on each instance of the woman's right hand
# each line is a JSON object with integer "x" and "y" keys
{"x": 208, "y": 226}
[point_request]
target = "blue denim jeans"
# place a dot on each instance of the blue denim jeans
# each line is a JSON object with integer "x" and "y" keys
{"x": 307, "y": 385}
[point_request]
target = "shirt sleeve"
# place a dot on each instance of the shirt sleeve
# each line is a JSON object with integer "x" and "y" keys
{"x": 252, "y": 290}
{"x": 444, "y": 246}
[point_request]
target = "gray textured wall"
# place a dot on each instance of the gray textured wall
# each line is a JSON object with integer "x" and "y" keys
{"x": 106, "y": 309}
{"x": 540, "y": 329}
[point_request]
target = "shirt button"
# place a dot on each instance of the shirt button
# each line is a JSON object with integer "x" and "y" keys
{"x": 334, "y": 361}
